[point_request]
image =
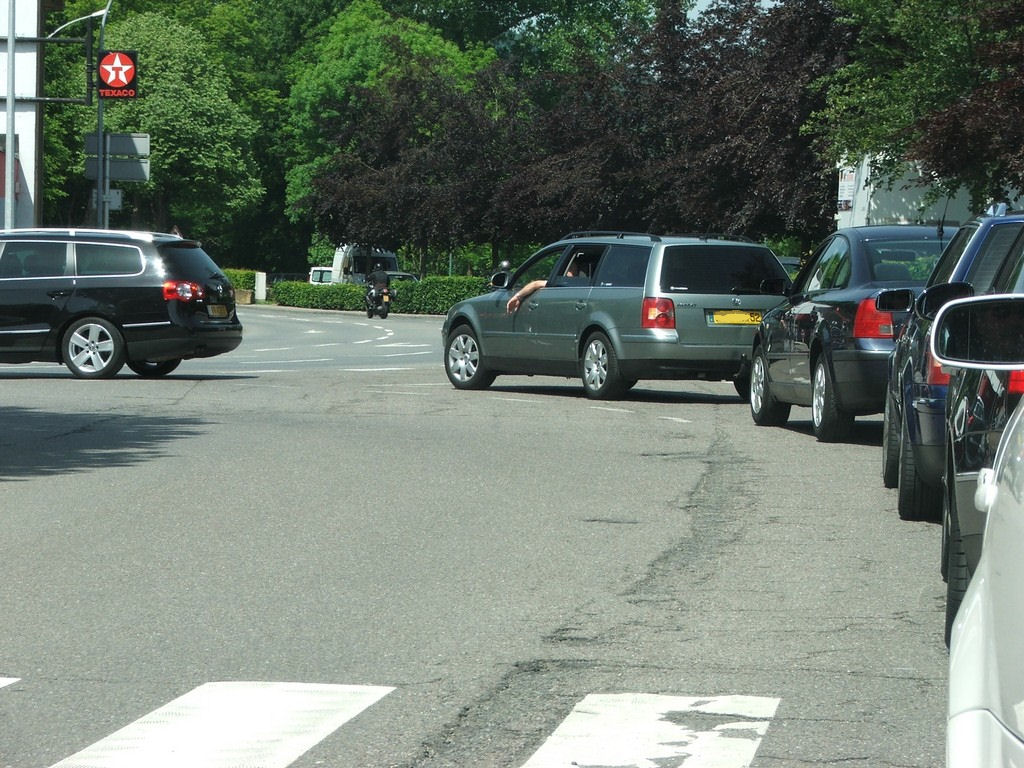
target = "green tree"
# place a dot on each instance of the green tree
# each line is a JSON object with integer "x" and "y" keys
{"x": 908, "y": 59}
{"x": 365, "y": 50}
{"x": 202, "y": 173}
{"x": 978, "y": 139}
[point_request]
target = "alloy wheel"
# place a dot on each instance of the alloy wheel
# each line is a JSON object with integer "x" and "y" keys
{"x": 463, "y": 357}
{"x": 595, "y": 364}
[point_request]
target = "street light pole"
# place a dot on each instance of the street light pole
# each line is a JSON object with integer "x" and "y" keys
{"x": 9, "y": 147}
{"x": 100, "y": 215}
{"x": 102, "y": 171}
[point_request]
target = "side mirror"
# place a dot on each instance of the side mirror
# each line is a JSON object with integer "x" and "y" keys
{"x": 499, "y": 280}
{"x": 984, "y": 332}
{"x": 940, "y": 294}
{"x": 895, "y": 300}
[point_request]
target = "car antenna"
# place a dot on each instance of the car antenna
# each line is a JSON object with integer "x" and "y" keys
{"x": 942, "y": 222}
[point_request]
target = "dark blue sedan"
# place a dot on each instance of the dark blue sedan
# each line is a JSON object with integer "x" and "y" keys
{"x": 827, "y": 345}
{"x": 914, "y": 442}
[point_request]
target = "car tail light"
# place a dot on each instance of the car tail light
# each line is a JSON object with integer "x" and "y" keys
{"x": 658, "y": 313}
{"x": 1015, "y": 385}
{"x": 872, "y": 323}
{"x": 182, "y": 290}
{"x": 934, "y": 373}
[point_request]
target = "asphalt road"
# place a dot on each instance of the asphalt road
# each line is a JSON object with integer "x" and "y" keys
{"x": 446, "y": 578}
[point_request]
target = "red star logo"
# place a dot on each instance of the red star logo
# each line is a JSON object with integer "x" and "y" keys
{"x": 116, "y": 70}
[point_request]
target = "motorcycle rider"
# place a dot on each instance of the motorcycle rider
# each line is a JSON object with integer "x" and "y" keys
{"x": 376, "y": 281}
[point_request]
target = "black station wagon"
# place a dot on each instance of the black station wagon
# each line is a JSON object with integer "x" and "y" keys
{"x": 96, "y": 300}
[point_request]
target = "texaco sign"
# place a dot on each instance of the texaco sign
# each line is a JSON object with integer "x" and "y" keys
{"x": 117, "y": 72}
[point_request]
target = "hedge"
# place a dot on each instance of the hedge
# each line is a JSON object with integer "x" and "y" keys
{"x": 430, "y": 296}
{"x": 242, "y": 279}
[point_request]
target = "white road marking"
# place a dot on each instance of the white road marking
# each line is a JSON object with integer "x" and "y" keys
{"x": 676, "y": 418}
{"x": 613, "y": 410}
{"x": 8, "y": 680}
{"x": 223, "y": 725}
{"x": 646, "y": 731}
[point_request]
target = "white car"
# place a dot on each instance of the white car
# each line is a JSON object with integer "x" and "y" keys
{"x": 985, "y": 725}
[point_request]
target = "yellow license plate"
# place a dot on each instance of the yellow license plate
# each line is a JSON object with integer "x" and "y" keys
{"x": 735, "y": 317}
{"x": 216, "y": 310}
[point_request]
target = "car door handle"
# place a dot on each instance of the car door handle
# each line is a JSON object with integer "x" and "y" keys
{"x": 58, "y": 294}
{"x": 580, "y": 305}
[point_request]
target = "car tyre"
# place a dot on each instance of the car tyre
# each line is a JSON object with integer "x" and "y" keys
{"x": 957, "y": 577}
{"x": 464, "y": 362}
{"x": 764, "y": 408}
{"x": 93, "y": 348}
{"x": 916, "y": 500}
{"x": 599, "y": 369}
{"x": 890, "y": 446}
{"x": 830, "y": 422}
{"x": 149, "y": 369}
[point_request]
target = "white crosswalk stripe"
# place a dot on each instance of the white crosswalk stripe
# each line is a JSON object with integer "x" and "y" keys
{"x": 271, "y": 724}
{"x": 645, "y": 731}
{"x": 221, "y": 725}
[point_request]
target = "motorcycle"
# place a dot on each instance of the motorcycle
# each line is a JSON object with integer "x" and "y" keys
{"x": 378, "y": 301}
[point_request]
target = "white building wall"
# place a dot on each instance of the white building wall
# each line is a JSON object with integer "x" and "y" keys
{"x": 27, "y": 114}
{"x": 860, "y": 202}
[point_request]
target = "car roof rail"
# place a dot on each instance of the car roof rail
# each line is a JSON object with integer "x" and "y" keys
{"x": 610, "y": 233}
{"x": 716, "y": 236}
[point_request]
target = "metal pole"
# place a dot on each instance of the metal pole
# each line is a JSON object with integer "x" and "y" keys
{"x": 102, "y": 180}
{"x": 10, "y": 146}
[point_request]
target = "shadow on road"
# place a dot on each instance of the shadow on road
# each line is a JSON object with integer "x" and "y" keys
{"x": 36, "y": 443}
{"x": 636, "y": 395}
{"x": 862, "y": 433}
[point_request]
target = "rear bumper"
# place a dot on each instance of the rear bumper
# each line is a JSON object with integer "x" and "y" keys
{"x": 861, "y": 379}
{"x": 170, "y": 342}
{"x": 665, "y": 355}
{"x": 928, "y": 433}
{"x": 970, "y": 519}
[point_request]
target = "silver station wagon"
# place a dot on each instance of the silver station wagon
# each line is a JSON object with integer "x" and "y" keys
{"x": 613, "y": 308}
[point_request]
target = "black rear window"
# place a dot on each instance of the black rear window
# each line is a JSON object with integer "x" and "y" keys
{"x": 189, "y": 262}
{"x": 718, "y": 268}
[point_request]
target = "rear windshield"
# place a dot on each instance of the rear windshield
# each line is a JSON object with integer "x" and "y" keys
{"x": 718, "y": 268}
{"x": 902, "y": 260}
{"x": 188, "y": 262}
